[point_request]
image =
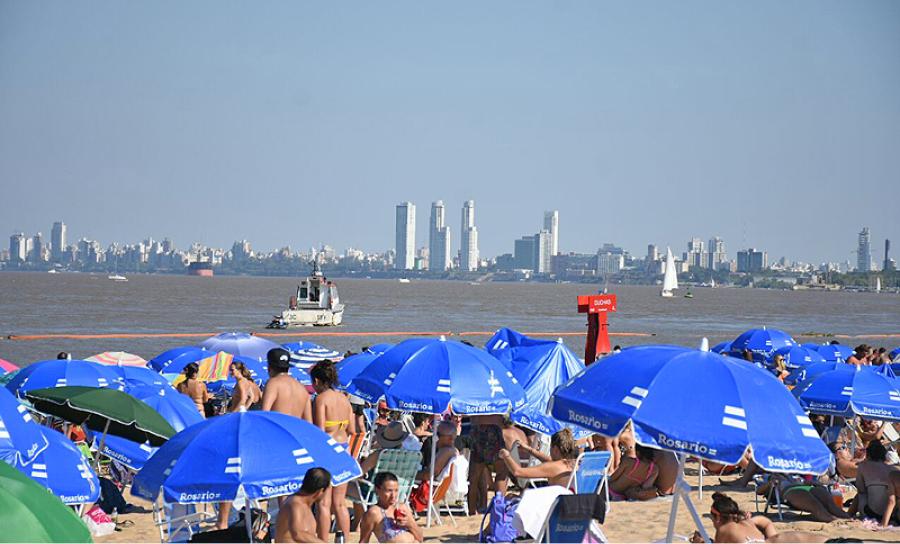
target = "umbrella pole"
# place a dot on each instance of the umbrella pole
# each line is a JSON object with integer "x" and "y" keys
{"x": 247, "y": 521}
{"x": 100, "y": 450}
{"x": 434, "y": 439}
{"x": 683, "y": 492}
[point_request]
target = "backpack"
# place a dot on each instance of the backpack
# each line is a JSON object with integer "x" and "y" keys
{"x": 500, "y": 526}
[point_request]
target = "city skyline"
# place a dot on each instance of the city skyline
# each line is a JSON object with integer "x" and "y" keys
{"x": 760, "y": 123}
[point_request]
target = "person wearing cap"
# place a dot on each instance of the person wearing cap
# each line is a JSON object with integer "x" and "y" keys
{"x": 283, "y": 393}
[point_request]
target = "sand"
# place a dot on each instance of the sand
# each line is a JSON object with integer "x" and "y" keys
{"x": 626, "y": 522}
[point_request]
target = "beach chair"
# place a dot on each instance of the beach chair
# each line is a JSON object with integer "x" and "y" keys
{"x": 591, "y": 473}
{"x": 573, "y": 518}
{"x": 357, "y": 443}
{"x": 525, "y": 483}
{"x": 773, "y": 497}
{"x": 403, "y": 463}
{"x": 179, "y": 522}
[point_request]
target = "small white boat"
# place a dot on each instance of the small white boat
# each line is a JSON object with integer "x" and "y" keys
{"x": 315, "y": 304}
{"x": 403, "y": 280}
{"x": 53, "y": 271}
{"x": 670, "y": 279}
{"x": 116, "y": 277}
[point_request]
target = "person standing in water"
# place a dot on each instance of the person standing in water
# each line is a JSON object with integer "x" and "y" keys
{"x": 334, "y": 415}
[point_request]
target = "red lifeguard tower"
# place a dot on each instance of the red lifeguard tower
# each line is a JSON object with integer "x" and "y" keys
{"x": 596, "y": 306}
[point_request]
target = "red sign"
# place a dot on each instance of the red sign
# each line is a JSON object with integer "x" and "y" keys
{"x": 596, "y": 304}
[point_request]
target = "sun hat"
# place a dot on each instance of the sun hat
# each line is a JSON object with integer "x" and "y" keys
{"x": 391, "y": 435}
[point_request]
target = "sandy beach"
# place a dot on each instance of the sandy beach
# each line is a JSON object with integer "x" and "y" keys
{"x": 626, "y": 522}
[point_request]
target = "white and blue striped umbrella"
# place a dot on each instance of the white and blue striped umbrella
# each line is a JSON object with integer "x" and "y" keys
{"x": 431, "y": 376}
{"x": 762, "y": 343}
{"x": 695, "y": 402}
{"x": 305, "y": 354}
{"x": 239, "y": 343}
{"x": 266, "y": 453}
{"x": 64, "y": 470}
{"x": 178, "y": 358}
{"x": 62, "y": 373}
{"x": 837, "y": 353}
{"x": 848, "y": 390}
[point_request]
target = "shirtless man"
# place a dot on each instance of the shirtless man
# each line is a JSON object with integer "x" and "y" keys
{"x": 446, "y": 451}
{"x": 734, "y": 525}
{"x": 390, "y": 520}
{"x": 194, "y": 388}
{"x": 296, "y": 522}
{"x": 283, "y": 393}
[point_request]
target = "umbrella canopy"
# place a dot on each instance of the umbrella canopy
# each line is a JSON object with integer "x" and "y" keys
{"x": 695, "y": 402}
{"x": 118, "y": 358}
{"x": 64, "y": 470}
{"x": 7, "y": 367}
{"x": 378, "y": 349}
{"x": 846, "y": 390}
{"x": 722, "y": 347}
{"x": 106, "y": 410}
{"x": 213, "y": 368}
{"x": 838, "y": 353}
{"x": 29, "y": 514}
{"x": 894, "y": 354}
{"x": 306, "y": 354}
{"x": 505, "y": 339}
{"x": 266, "y": 453}
{"x": 21, "y": 439}
{"x": 135, "y": 375}
{"x": 178, "y": 358}
{"x": 804, "y": 373}
{"x": 177, "y": 409}
{"x": 762, "y": 343}
{"x": 350, "y": 367}
{"x": 240, "y": 343}
{"x": 540, "y": 367}
{"x": 797, "y": 356}
{"x": 60, "y": 373}
{"x": 431, "y": 376}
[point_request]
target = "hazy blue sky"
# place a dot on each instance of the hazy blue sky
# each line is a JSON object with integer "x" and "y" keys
{"x": 771, "y": 124}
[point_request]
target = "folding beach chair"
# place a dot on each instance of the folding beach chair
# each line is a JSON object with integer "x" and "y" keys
{"x": 403, "y": 463}
{"x": 773, "y": 497}
{"x": 572, "y": 519}
{"x": 357, "y": 443}
{"x": 525, "y": 483}
{"x": 591, "y": 474}
{"x": 179, "y": 522}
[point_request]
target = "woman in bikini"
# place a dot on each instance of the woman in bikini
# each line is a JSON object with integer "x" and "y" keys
{"x": 734, "y": 525}
{"x": 635, "y": 478}
{"x": 389, "y": 520}
{"x": 556, "y": 468}
{"x": 194, "y": 388}
{"x": 246, "y": 393}
{"x": 333, "y": 414}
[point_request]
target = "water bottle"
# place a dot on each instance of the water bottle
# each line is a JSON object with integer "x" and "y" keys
{"x": 339, "y": 537}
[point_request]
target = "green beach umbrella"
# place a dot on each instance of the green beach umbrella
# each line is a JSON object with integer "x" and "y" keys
{"x": 105, "y": 410}
{"x": 30, "y": 513}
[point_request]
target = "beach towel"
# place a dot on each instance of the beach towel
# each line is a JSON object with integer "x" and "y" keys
{"x": 535, "y": 507}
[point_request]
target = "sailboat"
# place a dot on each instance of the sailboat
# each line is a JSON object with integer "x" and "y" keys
{"x": 670, "y": 280}
{"x": 878, "y": 284}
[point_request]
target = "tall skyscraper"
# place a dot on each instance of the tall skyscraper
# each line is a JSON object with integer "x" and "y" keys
{"x": 438, "y": 238}
{"x": 863, "y": 252}
{"x": 694, "y": 255}
{"x": 524, "y": 253}
{"x": 887, "y": 266}
{"x": 551, "y": 225}
{"x": 406, "y": 236}
{"x": 57, "y": 241}
{"x": 751, "y": 260}
{"x": 543, "y": 258}
{"x": 716, "y": 253}
{"x": 37, "y": 248}
{"x": 468, "y": 240}
{"x": 18, "y": 249}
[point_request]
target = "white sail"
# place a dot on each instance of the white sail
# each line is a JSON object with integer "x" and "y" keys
{"x": 670, "y": 280}
{"x": 878, "y": 284}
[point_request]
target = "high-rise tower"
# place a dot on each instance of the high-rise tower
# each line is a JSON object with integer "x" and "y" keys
{"x": 57, "y": 241}
{"x": 468, "y": 240}
{"x": 863, "y": 252}
{"x": 551, "y": 225}
{"x": 406, "y": 236}
{"x": 438, "y": 238}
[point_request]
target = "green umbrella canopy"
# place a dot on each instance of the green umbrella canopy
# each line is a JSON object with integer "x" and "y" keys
{"x": 30, "y": 513}
{"x": 125, "y": 415}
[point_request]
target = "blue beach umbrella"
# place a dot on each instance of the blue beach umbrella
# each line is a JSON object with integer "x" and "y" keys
{"x": 306, "y": 354}
{"x": 378, "y": 349}
{"x": 803, "y": 373}
{"x": 64, "y": 470}
{"x": 21, "y": 439}
{"x": 505, "y": 339}
{"x": 762, "y": 343}
{"x": 722, "y": 347}
{"x": 178, "y": 409}
{"x": 432, "y": 376}
{"x": 266, "y": 453}
{"x": 849, "y": 390}
{"x": 832, "y": 352}
{"x": 350, "y": 367}
{"x": 696, "y": 403}
{"x": 540, "y": 366}
{"x": 239, "y": 343}
{"x": 178, "y": 358}
{"x": 798, "y": 356}
{"x": 138, "y": 375}
{"x": 895, "y": 355}
{"x": 62, "y": 373}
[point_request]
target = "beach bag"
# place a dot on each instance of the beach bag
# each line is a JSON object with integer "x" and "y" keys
{"x": 99, "y": 523}
{"x": 418, "y": 500}
{"x": 501, "y": 512}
